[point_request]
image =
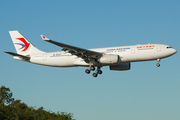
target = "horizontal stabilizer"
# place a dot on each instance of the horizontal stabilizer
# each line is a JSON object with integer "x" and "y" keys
{"x": 18, "y": 55}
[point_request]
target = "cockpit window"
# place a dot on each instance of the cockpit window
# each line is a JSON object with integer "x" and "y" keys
{"x": 169, "y": 47}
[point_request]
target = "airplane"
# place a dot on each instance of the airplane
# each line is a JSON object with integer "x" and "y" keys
{"x": 117, "y": 58}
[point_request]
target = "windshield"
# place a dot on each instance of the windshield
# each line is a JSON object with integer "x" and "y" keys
{"x": 169, "y": 47}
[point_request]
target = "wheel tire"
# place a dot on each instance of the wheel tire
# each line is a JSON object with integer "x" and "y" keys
{"x": 158, "y": 65}
{"x": 94, "y": 75}
{"x": 99, "y": 72}
{"x": 92, "y": 68}
{"x": 87, "y": 71}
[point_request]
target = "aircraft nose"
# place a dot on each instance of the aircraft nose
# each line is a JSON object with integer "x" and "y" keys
{"x": 174, "y": 51}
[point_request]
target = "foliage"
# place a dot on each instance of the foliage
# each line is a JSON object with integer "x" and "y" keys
{"x": 11, "y": 109}
{"x": 5, "y": 95}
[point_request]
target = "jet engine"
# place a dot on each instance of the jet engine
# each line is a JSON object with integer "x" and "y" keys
{"x": 120, "y": 67}
{"x": 109, "y": 59}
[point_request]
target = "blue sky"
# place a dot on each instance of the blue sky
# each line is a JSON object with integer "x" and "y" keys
{"x": 143, "y": 93}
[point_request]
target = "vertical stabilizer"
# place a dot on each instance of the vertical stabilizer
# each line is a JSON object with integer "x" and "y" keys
{"x": 22, "y": 45}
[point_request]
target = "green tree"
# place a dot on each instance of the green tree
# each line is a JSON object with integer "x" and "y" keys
{"x": 5, "y": 95}
{"x": 11, "y": 109}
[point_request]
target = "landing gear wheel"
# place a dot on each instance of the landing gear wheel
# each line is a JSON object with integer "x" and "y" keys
{"x": 158, "y": 65}
{"x": 158, "y": 60}
{"x": 87, "y": 71}
{"x": 92, "y": 68}
{"x": 99, "y": 72}
{"x": 94, "y": 75}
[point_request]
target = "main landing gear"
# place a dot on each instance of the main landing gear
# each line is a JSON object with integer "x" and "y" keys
{"x": 158, "y": 60}
{"x": 92, "y": 68}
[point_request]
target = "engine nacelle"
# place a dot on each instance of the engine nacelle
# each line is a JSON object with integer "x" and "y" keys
{"x": 109, "y": 59}
{"x": 120, "y": 67}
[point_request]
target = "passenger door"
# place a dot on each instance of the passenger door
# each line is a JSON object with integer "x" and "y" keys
{"x": 132, "y": 50}
{"x": 158, "y": 48}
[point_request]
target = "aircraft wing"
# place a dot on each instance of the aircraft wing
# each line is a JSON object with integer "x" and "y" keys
{"x": 80, "y": 52}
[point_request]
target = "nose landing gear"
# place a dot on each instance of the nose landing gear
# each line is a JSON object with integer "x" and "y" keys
{"x": 158, "y": 60}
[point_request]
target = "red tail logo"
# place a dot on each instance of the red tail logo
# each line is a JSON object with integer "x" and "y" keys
{"x": 25, "y": 46}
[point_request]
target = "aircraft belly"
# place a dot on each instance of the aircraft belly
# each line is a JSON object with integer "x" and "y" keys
{"x": 80, "y": 62}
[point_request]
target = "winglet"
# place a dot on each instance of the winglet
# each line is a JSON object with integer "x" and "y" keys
{"x": 45, "y": 38}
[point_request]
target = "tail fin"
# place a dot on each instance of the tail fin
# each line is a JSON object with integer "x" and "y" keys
{"x": 22, "y": 45}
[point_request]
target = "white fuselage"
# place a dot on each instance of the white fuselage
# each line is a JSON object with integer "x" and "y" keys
{"x": 133, "y": 53}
